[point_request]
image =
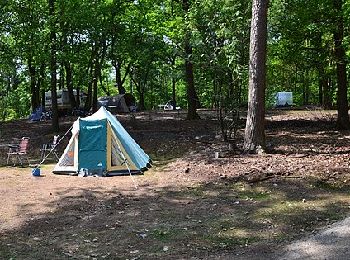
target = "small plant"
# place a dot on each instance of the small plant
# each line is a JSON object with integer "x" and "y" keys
{"x": 229, "y": 122}
{"x": 228, "y": 116}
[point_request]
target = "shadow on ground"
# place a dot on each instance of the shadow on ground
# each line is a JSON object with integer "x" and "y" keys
{"x": 222, "y": 219}
{"x": 239, "y": 206}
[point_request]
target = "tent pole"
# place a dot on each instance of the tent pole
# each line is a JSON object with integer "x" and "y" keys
{"x": 127, "y": 165}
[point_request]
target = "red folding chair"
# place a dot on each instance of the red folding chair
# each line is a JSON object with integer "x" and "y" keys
{"x": 19, "y": 151}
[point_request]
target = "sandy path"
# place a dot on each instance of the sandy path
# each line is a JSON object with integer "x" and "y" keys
{"x": 331, "y": 243}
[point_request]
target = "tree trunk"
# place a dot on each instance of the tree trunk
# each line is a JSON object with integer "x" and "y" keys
{"x": 324, "y": 89}
{"x": 192, "y": 97}
{"x": 254, "y": 136}
{"x": 41, "y": 85}
{"x": 42, "y": 94}
{"x": 90, "y": 72}
{"x": 130, "y": 84}
{"x": 174, "y": 92}
{"x": 327, "y": 94}
{"x": 306, "y": 88}
{"x": 99, "y": 61}
{"x": 94, "y": 86}
{"x": 88, "y": 101}
{"x": 69, "y": 82}
{"x": 118, "y": 77}
{"x": 61, "y": 77}
{"x": 321, "y": 80}
{"x": 66, "y": 62}
{"x": 53, "y": 65}
{"x": 35, "y": 98}
{"x": 140, "y": 89}
{"x": 339, "y": 52}
{"x": 173, "y": 83}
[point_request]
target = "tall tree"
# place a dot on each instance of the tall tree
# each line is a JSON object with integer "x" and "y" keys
{"x": 192, "y": 97}
{"x": 53, "y": 65}
{"x": 339, "y": 52}
{"x": 254, "y": 137}
{"x": 65, "y": 46}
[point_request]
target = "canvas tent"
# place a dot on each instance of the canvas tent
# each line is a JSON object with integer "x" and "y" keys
{"x": 119, "y": 103}
{"x": 100, "y": 143}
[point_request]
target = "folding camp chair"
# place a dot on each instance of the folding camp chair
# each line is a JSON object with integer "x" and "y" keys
{"x": 37, "y": 115}
{"x": 19, "y": 150}
{"x": 49, "y": 148}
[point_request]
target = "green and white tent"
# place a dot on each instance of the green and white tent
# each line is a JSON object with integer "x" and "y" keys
{"x": 100, "y": 143}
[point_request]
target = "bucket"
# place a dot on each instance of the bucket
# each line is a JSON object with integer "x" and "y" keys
{"x": 36, "y": 172}
{"x": 216, "y": 155}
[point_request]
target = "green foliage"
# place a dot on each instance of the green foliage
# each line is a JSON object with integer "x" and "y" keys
{"x": 143, "y": 40}
{"x": 15, "y": 105}
{"x": 301, "y": 49}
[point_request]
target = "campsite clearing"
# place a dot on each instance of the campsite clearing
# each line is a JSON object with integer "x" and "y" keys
{"x": 189, "y": 204}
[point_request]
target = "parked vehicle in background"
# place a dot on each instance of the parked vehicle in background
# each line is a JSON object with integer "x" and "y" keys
{"x": 63, "y": 100}
{"x": 168, "y": 106}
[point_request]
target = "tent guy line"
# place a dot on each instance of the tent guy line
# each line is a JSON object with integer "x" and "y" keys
{"x": 53, "y": 148}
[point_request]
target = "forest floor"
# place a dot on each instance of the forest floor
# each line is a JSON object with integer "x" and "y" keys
{"x": 189, "y": 205}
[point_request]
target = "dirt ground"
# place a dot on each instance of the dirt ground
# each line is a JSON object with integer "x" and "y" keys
{"x": 189, "y": 205}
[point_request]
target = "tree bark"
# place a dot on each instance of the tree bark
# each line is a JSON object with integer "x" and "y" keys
{"x": 254, "y": 136}
{"x": 66, "y": 62}
{"x": 339, "y": 53}
{"x": 321, "y": 80}
{"x": 69, "y": 82}
{"x": 173, "y": 82}
{"x": 119, "y": 79}
{"x": 90, "y": 72}
{"x": 306, "y": 88}
{"x": 325, "y": 94}
{"x": 94, "y": 87}
{"x": 53, "y": 67}
{"x": 88, "y": 102}
{"x": 35, "y": 95}
{"x": 142, "y": 105}
{"x": 192, "y": 98}
{"x": 141, "y": 91}
{"x": 41, "y": 84}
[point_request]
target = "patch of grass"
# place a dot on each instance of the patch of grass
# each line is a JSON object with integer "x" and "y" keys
{"x": 224, "y": 224}
{"x": 334, "y": 212}
{"x": 334, "y": 186}
{"x": 232, "y": 231}
{"x": 196, "y": 191}
{"x": 164, "y": 234}
{"x": 254, "y": 195}
{"x": 225, "y": 241}
{"x": 5, "y": 252}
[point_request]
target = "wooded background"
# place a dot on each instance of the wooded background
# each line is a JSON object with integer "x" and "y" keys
{"x": 196, "y": 52}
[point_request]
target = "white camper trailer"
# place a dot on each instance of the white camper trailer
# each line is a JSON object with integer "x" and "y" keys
{"x": 62, "y": 99}
{"x": 284, "y": 99}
